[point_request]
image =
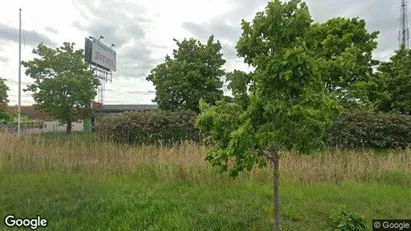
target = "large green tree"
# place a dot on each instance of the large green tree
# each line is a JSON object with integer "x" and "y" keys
{"x": 194, "y": 72}
{"x": 64, "y": 85}
{"x": 304, "y": 74}
{"x": 4, "y": 114}
{"x": 346, "y": 47}
{"x": 391, "y": 87}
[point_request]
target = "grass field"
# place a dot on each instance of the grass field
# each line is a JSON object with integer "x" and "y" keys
{"x": 78, "y": 183}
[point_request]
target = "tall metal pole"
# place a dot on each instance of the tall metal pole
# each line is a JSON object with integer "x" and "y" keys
{"x": 403, "y": 32}
{"x": 19, "y": 116}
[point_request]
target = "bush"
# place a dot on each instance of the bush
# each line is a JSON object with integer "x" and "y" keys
{"x": 352, "y": 129}
{"x": 365, "y": 129}
{"x": 348, "y": 221}
{"x": 148, "y": 127}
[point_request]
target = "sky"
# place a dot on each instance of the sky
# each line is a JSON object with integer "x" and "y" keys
{"x": 143, "y": 32}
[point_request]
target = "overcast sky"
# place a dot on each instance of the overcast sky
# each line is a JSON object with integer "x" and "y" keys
{"x": 143, "y": 32}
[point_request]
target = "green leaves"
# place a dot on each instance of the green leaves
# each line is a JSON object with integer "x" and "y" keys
{"x": 345, "y": 47}
{"x": 64, "y": 86}
{"x": 391, "y": 86}
{"x": 192, "y": 73}
{"x": 367, "y": 129}
{"x": 348, "y": 221}
{"x": 3, "y": 92}
{"x": 284, "y": 102}
{"x": 4, "y": 114}
{"x": 148, "y": 127}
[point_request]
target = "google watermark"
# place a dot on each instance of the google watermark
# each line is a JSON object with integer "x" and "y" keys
{"x": 386, "y": 224}
{"x": 32, "y": 223}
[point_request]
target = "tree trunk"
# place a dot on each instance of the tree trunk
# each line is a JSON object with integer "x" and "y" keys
{"x": 276, "y": 182}
{"x": 68, "y": 128}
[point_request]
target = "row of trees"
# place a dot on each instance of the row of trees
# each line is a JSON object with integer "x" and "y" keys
{"x": 305, "y": 74}
{"x": 344, "y": 47}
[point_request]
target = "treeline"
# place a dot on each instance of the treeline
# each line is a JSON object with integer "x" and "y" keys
{"x": 322, "y": 78}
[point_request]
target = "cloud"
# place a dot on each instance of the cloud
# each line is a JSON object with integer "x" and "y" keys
{"x": 135, "y": 61}
{"x": 51, "y": 30}
{"x": 124, "y": 25}
{"x": 4, "y": 60}
{"x": 15, "y": 82}
{"x": 220, "y": 30}
{"x": 149, "y": 92}
{"x": 229, "y": 50}
{"x": 156, "y": 46}
{"x": 29, "y": 37}
{"x": 379, "y": 15}
{"x": 118, "y": 23}
{"x": 226, "y": 26}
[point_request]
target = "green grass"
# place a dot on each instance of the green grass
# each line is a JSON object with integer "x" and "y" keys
{"x": 78, "y": 183}
{"x": 63, "y": 136}
{"x": 80, "y": 202}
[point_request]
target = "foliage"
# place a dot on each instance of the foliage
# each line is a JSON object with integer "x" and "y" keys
{"x": 393, "y": 83}
{"x": 288, "y": 103}
{"x": 3, "y": 92}
{"x": 348, "y": 221}
{"x": 353, "y": 129}
{"x": 303, "y": 73}
{"x": 366, "y": 129}
{"x": 4, "y": 113}
{"x": 240, "y": 85}
{"x": 148, "y": 127}
{"x": 346, "y": 47}
{"x": 64, "y": 85}
{"x": 192, "y": 73}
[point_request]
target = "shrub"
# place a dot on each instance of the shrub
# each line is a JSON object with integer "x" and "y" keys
{"x": 365, "y": 129}
{"x": 352, "y": 129}
{"x": 148, "y": 127}
{"x": 348, "y": 221}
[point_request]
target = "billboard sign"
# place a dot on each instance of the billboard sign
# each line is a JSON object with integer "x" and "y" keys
{"x": 99, "y": 54}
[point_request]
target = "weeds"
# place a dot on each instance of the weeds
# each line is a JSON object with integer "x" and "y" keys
{"x": 82, "y": 153}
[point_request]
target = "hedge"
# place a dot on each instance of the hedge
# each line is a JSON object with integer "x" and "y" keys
{"x": 366, "y": 129}
{"x": 352, "y": 129}
{"x": 148, "y": 127}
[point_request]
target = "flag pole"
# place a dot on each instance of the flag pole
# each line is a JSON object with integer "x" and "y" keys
{"x": 19, "y": 107}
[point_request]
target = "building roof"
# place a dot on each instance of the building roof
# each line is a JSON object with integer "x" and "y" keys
{"x": 34, "y": 114}
{"x": 134, "y": 107}
{"x": 31, "y": 112}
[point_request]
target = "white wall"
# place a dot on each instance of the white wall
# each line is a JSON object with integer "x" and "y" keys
{"x": 51, "y": 126}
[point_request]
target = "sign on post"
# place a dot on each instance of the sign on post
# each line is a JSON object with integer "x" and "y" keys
{"x": 99, "y": 54}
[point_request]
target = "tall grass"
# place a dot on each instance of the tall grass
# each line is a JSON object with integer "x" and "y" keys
{"x": 82, "y": 153}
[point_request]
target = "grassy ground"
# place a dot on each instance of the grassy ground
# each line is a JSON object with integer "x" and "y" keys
{"x": 80, "y": 184}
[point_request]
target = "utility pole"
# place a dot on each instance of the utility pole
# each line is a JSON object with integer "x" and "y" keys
{"x": 403, "y": 35}
{"x": 19, "y": 95}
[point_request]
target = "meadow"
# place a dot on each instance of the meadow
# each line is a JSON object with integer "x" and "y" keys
{"x": 79, "y": 183}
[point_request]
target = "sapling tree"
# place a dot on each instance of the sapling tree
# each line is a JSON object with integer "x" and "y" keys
{"x": 291, "y": 102}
